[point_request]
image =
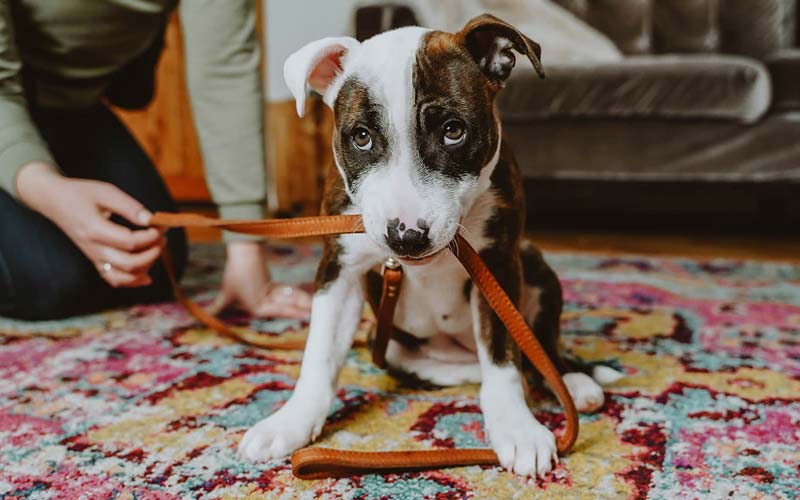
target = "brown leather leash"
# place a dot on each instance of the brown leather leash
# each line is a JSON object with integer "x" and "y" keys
{"x": 314, "y": 463}
{"x": 392, "y": 274}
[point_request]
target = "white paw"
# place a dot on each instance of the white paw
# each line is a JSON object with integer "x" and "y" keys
{"x": 523, "y": 445}
{"x": 605, "y": 375}
{"x": 587, "y": 394}
{"x": 281, "y": 433}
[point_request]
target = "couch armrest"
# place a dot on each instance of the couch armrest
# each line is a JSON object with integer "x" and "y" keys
{"x": 784, "y": 69}
{"x": 686, "y": 86}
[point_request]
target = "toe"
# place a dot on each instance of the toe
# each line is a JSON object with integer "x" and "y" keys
{"x": 278, "y": 448}
{"x": 544, "y": 460}
{"x": 505, "y": 455}
{"x": 251, "y": 450}
{"x": 525, "y": 460}
{"x": 544, "y": 455}
{"x": 253, "y": 445}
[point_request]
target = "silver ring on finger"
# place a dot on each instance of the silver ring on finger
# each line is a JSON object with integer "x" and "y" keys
{"x": 287, "y": 291}
{"x": 106, "y": 267}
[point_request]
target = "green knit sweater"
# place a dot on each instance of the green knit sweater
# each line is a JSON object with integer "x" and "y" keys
{"x": 71, "y": 49}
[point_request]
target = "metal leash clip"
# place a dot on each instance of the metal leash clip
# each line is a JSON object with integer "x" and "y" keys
{"x": 390, "y": 263}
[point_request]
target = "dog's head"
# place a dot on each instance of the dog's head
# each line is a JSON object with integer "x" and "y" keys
{"x": 416, "y": 134}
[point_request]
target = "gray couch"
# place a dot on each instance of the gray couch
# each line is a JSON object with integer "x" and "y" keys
{"x": 701, "y": 118}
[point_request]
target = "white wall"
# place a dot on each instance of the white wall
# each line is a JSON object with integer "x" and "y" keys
{"x": 293, "y": 23}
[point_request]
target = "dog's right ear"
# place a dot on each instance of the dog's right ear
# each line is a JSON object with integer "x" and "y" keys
{"x": 317, "y": 65}
{"x": 490, "y": 41}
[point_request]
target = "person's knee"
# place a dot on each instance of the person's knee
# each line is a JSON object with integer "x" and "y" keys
{"x": 40, "y": 296}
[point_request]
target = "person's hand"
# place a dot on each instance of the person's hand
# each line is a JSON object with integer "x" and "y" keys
{"x": 81, "y": 208}
{"x": 246, "y": 285}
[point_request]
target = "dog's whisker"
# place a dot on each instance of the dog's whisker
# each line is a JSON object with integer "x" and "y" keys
{"x": 462, "y": 226}
{"x": 453, "y": 247}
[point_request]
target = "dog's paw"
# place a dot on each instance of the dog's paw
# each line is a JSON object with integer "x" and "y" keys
{"x": 586, "y": 393}
{"x": 280, "y": 434}
{"x": 523, "y": 445}
{"x": 605, "y": 375}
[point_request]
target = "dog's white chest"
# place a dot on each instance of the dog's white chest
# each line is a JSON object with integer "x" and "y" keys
{"x": 432, "y": 300}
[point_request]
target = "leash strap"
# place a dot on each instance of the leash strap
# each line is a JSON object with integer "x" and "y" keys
{"x": 384, "y": 314}
{"x": 314, "y": 463}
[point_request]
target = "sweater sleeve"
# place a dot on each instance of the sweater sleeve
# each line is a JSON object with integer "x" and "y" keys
{"x": 20, "y": 142}
{"x": 222, "y": 69}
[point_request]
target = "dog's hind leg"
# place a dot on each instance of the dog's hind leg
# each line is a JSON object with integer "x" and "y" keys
{"x": 418, "y": 364}
{"x": 336, "y": 312}
{"x": 542, "y": 306}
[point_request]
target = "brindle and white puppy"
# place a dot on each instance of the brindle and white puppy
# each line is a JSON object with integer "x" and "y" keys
{"x": 418, "y": 150}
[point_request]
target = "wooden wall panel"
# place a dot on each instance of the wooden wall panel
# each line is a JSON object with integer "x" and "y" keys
{"x": 298, "y": 154}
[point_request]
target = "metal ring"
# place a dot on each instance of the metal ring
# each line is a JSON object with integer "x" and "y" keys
{"x": 391, "y": 263}
{"x": 106, "y": 267}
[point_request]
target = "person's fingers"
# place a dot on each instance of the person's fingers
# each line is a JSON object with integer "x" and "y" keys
{"x": 304, "y": 300}
{"x": 271, "y": 309}
{"x": 281, "y": 301}
{"x": 134, "y": 263}
{"x": 121, "y": 279}
{"x": 289, "y": 296}
{"x": 220, "y": 303}
{"x": 105, "y": 232}
{"x": 284, "y": 301}
{"x": 138, "y": 282}
{"x": 119, "y": 202}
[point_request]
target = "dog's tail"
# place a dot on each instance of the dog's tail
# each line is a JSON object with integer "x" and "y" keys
{"x": 602, "y": 372}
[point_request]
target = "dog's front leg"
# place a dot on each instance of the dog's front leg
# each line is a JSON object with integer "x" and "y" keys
{"x": 336, "y": 312}
{"x": 522, "y": 444}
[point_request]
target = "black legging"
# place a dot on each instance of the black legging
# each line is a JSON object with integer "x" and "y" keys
{"x": 43, "y": 275}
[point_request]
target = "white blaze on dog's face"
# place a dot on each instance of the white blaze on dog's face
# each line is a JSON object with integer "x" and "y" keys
{"x": 416, "y": 135}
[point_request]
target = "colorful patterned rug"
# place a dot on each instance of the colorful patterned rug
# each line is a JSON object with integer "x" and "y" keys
{"x": 143, "y": 404}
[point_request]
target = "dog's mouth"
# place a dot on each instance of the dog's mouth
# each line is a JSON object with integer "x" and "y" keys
{"x": 421, "y": 260}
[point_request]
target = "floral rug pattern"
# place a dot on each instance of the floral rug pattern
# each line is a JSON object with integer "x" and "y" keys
{"x": 144, "y": 404}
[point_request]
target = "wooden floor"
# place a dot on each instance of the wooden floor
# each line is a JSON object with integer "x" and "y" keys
{"x": 697, "y": 246}
{"x": 608, "y": 242}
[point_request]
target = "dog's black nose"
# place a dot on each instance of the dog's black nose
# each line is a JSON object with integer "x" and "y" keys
{"x": 406, "y": 241}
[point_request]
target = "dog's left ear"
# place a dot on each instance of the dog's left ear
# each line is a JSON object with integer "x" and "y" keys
{"x": 317, "y": 66}
{"x": 490, "y": 41}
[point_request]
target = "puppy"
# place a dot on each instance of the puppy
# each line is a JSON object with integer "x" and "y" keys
{"x": 419, "y": 154}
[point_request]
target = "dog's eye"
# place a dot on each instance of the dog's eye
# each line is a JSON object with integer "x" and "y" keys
{"x": 361, "y": 139}
{"x": 453, "y": 133}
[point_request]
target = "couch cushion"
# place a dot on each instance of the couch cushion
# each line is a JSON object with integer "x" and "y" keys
{"x": 627, "y": 22}
{"x": 784, "y": 69}
{"x": 691, "y": 86}
{"x": 685, "y": 26}
{"x": 564, "y": 37}
{"x": 755, "y": 28}
{"x": 659, "y": 150}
